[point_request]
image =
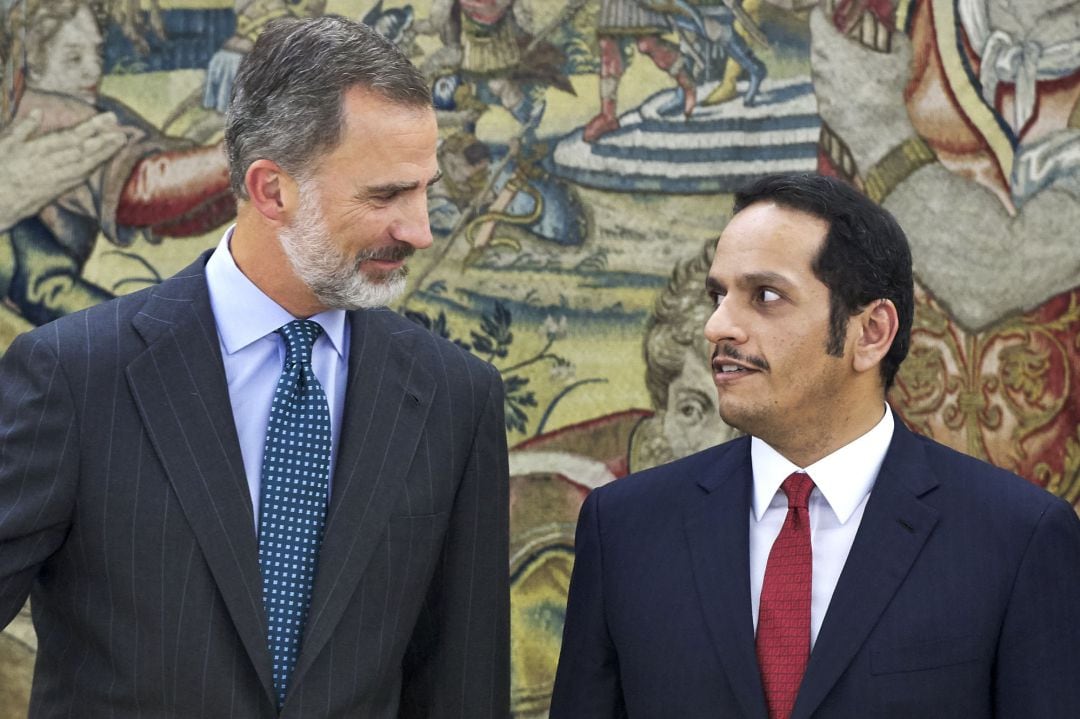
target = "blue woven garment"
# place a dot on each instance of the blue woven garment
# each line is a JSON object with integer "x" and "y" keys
{"x": 293, "y": 497}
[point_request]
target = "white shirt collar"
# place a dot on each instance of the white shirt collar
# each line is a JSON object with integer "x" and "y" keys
{"x": 244, "y": 313}
{"x": 843, "y": 478}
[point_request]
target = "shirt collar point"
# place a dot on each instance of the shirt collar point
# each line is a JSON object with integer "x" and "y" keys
{"x": 842, "y": 490}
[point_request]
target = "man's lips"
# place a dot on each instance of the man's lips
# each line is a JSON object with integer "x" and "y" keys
{"x": 727, "y": 368}
{"x": 729, "y": 363}
{"x": 387, "y": 259}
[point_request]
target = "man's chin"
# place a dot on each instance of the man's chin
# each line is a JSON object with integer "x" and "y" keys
{"x": 744, "y": 419}
{"x": 367, "y": 294}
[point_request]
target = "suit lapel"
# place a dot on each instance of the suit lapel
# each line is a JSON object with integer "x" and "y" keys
{"x": 179, "y": 387}
{"x": 894, "y": 528}
{"x": 387, "y": 399}
{"x": 718, "y": 531}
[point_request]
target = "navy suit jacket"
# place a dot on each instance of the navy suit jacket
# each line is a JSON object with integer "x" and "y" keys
{"x": 125, "y": 513}
{"x": 960, "y": 597}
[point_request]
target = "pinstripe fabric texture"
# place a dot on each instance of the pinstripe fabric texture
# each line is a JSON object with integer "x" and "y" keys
{"x": 125, "y": 515}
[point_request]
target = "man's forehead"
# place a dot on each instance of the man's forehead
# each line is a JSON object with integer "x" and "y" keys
{"x": 718, "y": 279}
{"x": 748, "y": 265}
{"x": 767, "y": 217}
{"x": 385, "y": 133}
{"x": 770, "y": 235}
{"x": 361, "y": 100}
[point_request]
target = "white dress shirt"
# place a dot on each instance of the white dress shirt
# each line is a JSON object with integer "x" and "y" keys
{"x": 843, "y": 481}
{"x": 254, "y": 354}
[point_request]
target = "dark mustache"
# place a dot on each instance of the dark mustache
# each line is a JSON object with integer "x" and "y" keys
{"x": 732, "y": 353}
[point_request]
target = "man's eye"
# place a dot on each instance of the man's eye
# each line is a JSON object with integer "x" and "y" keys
{"x": 717, "y": 298}
{"x": 768, "y": 295}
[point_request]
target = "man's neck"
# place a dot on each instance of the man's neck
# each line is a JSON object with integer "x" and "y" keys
{"x": 821, "y": 438}
{"x": 257, "y": 253}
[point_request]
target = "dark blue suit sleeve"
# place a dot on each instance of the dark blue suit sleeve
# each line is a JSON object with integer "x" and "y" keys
{"x": 587, "y": 682}
{"x": 1037, "y": 671}
{"x": 38, "y": 465}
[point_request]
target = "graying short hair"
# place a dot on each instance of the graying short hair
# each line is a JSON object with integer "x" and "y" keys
{"x": 287, "y": 97}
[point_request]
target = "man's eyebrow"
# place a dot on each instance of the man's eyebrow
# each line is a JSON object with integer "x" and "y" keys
{"x": 750, "y": 279}
{"x": 391, "y": 188}
{"x": 753, "y": 279}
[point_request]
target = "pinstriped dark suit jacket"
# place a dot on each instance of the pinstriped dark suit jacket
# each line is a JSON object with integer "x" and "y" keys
{"x": 125, "y": 514}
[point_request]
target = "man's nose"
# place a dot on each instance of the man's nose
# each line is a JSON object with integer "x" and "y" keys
{"x": 725, "y": 324}
{"x": 414, "y": 226}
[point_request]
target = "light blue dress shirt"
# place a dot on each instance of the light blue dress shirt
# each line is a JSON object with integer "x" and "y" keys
{"x": 253, "y": 354}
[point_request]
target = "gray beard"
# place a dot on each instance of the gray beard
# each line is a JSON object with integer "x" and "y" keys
{"x": 335, "y": 279}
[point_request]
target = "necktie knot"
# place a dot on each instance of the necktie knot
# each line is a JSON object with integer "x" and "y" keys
{"x": 299, "y": 336}
{"x": 798, "y": 487}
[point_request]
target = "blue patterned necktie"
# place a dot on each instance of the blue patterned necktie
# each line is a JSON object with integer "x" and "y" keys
{"x": 293, "y": 497}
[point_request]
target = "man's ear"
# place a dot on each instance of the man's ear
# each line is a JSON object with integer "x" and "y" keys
{"x": 878, "y": 324}
{"x": 271, "y": 191}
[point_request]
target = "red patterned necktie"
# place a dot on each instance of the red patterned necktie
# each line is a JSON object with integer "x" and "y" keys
{"x": 783, "y": 631}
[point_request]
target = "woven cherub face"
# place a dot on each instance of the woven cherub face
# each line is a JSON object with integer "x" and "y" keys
{"x": 70, "y": 62}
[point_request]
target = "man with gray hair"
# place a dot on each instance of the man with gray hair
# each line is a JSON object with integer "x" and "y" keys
{"x": 252, "y": 490}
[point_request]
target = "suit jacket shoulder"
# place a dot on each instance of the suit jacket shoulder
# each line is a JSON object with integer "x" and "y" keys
{"x": 105, "y": 323}
{"x": 949, "y": 480}
{"x": 679, "y": 481}
{"x": 432, "y": 348}
{"x": 465, "y": 383}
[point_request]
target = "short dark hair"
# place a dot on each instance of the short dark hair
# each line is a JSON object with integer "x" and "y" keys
{"x": 287, "y": 96}
{"x": 865, "y": 255}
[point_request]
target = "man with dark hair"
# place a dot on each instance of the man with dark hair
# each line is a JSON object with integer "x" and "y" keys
{"x": 253, "y": 491}
{"x": 831, "y": 563}
{"x": 864, "y": 256}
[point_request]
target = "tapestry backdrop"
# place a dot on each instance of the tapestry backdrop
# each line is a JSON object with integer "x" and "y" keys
{"x": 589, "y": 149}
